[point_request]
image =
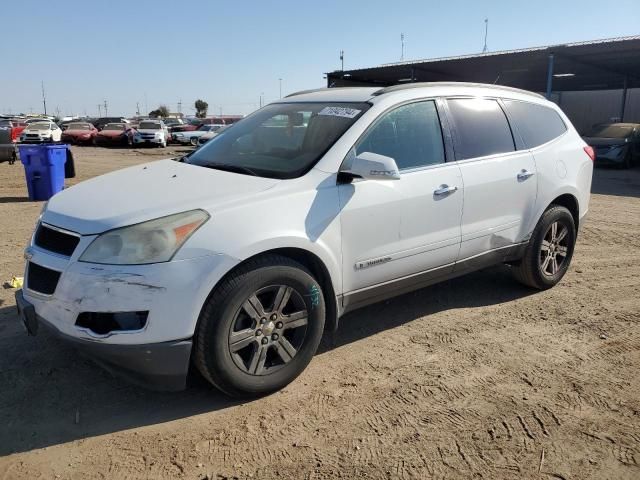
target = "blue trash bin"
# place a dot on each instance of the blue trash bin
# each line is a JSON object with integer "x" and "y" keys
{"x": 43, "y": 169}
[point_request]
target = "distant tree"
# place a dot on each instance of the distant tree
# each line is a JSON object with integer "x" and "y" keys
{"x": 161, "y": 111}
{"x": 201, "y": 108}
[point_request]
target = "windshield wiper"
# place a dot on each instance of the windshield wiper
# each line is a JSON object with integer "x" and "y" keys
{"x": 231, "y": 168}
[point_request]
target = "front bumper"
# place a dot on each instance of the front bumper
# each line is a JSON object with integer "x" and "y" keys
{"x": 148, "y": 141}
{"x": 159, "y": 366}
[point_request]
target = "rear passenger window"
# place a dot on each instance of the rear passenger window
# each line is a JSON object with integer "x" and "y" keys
{"x": 410, "y": 134}
{"x": 481, "y": 128}
{"x": 537, "y": 124}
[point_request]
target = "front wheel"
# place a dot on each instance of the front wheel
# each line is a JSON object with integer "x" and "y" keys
{"x": 260, "y": 328}
{"x": 550, "y": 249}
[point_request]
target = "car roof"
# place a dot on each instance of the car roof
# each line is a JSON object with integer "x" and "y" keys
{"x": 369, "y": 94}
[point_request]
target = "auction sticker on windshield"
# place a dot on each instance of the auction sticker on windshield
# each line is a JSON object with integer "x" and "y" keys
{"x": 339, "y": 112}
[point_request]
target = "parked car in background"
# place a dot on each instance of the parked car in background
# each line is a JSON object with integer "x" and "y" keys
{"x": 79, "y": 133}
{"x": 189, "y": 125}
{"x": 615, "y": 143}
{"x": 212, "y": 134}
{"x": 18, "y": 127}
{"x": 115, "y": 134}
{"x": 41, "y": 132}
{"x": 99, "y": 123}
{"x": 151, "y": 132}
{"x": 186, "y": 138}
{"x": 172, "y": 122}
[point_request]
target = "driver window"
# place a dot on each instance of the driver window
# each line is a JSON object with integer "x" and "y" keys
{"x": 409, "y": 134}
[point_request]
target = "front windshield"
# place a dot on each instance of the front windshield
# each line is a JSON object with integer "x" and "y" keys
{"x": 39, "y": 126}
{"x": 149, "y": 126}
{"x": 79, "y": 126}
{"x": 114, "y": 126}
{"x": 281, "y": 140}
{"x": 610, "y": 131}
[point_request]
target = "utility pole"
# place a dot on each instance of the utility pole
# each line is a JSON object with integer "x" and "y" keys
{"x": 402, "y": 47}
{"x": 342, "y": 60}
{"x": 138, "y": 108}
{"x": 180, "y": 106}
{"x": 261, "y": 95}
{"x": 44, "y": 98}
{"x": 486, "y": 32}
{"x": 280, "y": 80}
{"x": 220, "y": 110}
{"x": 99, "y": 110}
{"x": 106, "y": 112}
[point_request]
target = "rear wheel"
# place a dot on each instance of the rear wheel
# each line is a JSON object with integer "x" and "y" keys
{"x": 550, "y": 249}
{"x": 194, "y": 141}
{"x": 260, "y": 328}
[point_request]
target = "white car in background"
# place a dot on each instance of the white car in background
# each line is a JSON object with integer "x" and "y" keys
{"x": 192, "y": 137}
{"x": 41, "y": 132}
{"x": 212, "y": 134}
{"x": 238, "y": 257}
{"x": 151, "y": 132}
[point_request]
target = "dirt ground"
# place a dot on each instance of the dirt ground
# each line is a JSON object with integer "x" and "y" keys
{"x": 474, "y": 378}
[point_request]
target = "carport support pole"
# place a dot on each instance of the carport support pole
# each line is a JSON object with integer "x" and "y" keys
{"x": 624, "y": 99}
{"x": 549, "y": 76}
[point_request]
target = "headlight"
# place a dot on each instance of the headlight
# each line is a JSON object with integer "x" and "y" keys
{"x": 148, "y": 242}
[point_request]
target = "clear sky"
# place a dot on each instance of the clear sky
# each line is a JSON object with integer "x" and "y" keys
{"x": 230, "y": 52}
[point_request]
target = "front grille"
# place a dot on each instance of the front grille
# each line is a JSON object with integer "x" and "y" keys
{"x": 41, "y": 279}
{"x": 55, "y": 241}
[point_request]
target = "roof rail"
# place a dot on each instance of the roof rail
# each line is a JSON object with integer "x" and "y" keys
{"x": 313, "y": 90}
{"x": 407, "y": 86}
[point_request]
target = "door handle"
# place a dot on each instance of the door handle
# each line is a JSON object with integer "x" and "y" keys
{"x": 444, "y": 190}
{"x": 524, "y": 174}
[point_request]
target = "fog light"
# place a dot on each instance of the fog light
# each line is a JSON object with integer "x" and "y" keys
{"x": 104, "y": 323}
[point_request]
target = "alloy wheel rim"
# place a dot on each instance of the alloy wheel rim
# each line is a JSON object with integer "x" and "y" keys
{"x": 554, "y": 249}
{"x": 268, "y": 330}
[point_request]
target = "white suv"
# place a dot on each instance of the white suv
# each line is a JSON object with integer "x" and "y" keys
{"x": 238, "y": 256}
{"x": 151, "y": 132}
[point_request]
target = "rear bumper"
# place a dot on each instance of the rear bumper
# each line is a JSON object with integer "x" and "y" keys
{"x": 158, "y": 366}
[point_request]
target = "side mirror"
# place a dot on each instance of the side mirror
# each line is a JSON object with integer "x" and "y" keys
{"x": 372, "y": 166}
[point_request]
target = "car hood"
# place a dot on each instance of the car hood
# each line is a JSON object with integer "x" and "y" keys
{"x": 149, "y": 130}
{"x": 34, "y": 130}
{"x": 604, "y": 142}
{"x": 77, "y": 132}
{"x": 111, "y": 133}
{"x": 144, "y": 192}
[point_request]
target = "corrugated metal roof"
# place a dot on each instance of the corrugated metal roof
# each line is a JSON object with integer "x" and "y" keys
{"x": 507, "y": 52}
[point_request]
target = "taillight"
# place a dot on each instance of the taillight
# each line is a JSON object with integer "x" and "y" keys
{"x": 591, "y": 152}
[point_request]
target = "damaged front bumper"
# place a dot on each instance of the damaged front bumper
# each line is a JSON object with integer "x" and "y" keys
{"x": 160, "y": 366}
{"x": 135, "y": 320}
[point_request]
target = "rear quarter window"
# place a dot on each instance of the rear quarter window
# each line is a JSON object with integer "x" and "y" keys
{"x": 536, "y": 124}
{"x": 481, "y": 128}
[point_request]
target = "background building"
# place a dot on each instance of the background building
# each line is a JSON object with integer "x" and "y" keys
{"x": 593, "y": 81}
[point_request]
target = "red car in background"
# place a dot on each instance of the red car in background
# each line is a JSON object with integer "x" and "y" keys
{"x": 79, "y": 133}
{"x": 115, "y": 134}
{"x": 16, "y": 126}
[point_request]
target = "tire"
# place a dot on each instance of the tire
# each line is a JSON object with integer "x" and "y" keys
{"x": 543, "y": 253}
{"x": 272, "y": 345}
{"x": 628, "y": 160}
{"x": 193, "y": 141}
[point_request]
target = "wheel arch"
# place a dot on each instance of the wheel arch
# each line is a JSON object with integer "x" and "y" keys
{"x": 313, "y": 263}
{"x": 570, "y": 202}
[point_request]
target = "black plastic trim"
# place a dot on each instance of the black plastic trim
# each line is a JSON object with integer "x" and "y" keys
{"x": 157, "y": 366}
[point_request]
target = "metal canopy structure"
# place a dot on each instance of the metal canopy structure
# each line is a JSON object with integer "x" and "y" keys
{"x": 593, "y": 65}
